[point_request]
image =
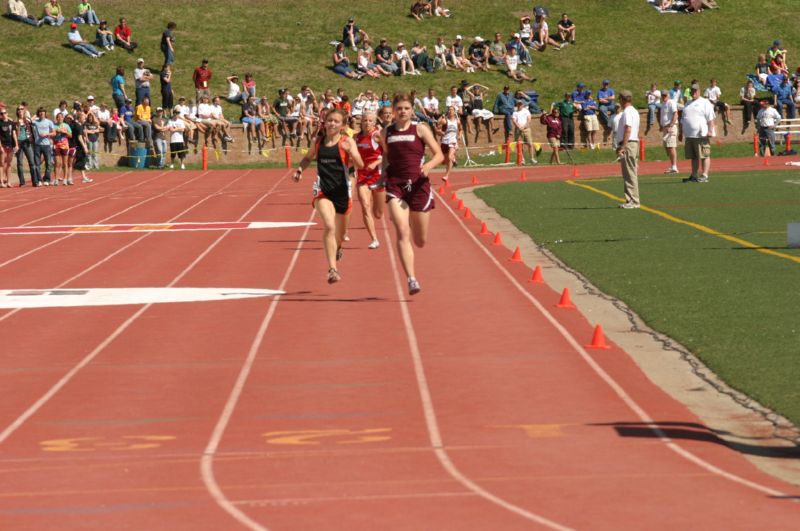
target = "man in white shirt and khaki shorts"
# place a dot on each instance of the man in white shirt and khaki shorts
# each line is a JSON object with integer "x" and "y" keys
{"x": 697, "y": 126}
{"x": 668, "y": 125}
{"x": 627, "y": 141}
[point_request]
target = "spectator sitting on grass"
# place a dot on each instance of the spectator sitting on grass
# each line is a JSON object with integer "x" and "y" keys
{"x": 526, "y": 30}
{"x": 419, "y": 9}
{"x": 419, "y": 56}
{"x": 512, "y": 67}
{"x": 457, "y": 57}
{"x": 438, "y": 9}
{"x": 249, "y": 85}
{"x": 566, "y": 29}
{"x": 384, "y": 57}
{"x": 18, "y": 11}
{"x": 365, "y": 63}
{"x": 441, "y": 51}
{"x": 522, "y": 50}
{"x": 104, "y": 36}
{"x": 403, "y": 59}
{"x": 778, "y": 64}
{"x": 122, "y": 35}
{"x": 53, "y": 14}
{"x": 235, "y": 94}
{"x": 497, "y": 51}
{"x": 762, "y": 68}
{"x": 341, "y": 64}
{"x": 87, "y": 14}
{"x": 352, "y": 35}
{"x": 775, "y": 50}
{"x": 541, "y": 35}
{"x": 80, "y": 45}
{"x": 478, "y": 56}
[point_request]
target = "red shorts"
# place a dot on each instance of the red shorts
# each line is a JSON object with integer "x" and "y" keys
{"x": 418, "y": 195}
{"x": 371, "y": 178}
{"x": 61, "y": 151}
{"x": 8, "y": 150}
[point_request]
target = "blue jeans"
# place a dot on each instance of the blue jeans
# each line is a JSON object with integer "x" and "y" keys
{"x": 422, "y": 118}
{"x": 141, "y": 92}
{"x": 791, "y": 108}
{"x": 87, "y": 49}
{"x": 766, "y": 137}
{"x": 603, "y": 110}
{"x": 90, "y": 17}
{"x": 53, "y": 21}
{"x": 135, "y": 131}
{"x": 46, "y": 152}
{"x": 28, "y": 20}
{"x": 119, "y": 100}
{"x": 652, "y": 109}
{"x": 169, "y": 56}
{"x": 26, "y": 150}
{"x": 105, "y": 40}
{"x": 161, "y": 151}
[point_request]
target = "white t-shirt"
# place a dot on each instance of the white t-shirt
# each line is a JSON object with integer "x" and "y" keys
{"x": 522, "y": 118}
{"x": 653, "y": 96}
{"x": 177, "y": 128}
{"x": 103, "y": 116}
{"x": 615, "y": 127}
{"x": 358, "y": 107}
{"x": 454, "y": 101}
{"x": 183, "y": 110}
{"x": 205, "y": 111}
{"x": 768, "y": 117}
{"x": 233, "y": 89}
{"x": 401, "y": 54}
{"x": 74, "y": 37}
{"x": 137, "y": 76}
{"x": 696, "y": 116}
{"x": 430, "y": 103}
{"x": 216, "y": 112}
{"x": 712, "y": 94}
{"x": 58, "y": 111}
{"x": 371, "y": 106}
{"x": 512, "y": 62}
{"x": 629, "y": 117}
{"x": 440, "y": 49}
{"x": 668, "y": 110}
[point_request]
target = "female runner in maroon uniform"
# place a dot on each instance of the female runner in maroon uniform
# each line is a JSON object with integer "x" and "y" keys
{"x": 335, "y": 152}
{"x": 408, "y": 189}
{"x": 371, "y": 191}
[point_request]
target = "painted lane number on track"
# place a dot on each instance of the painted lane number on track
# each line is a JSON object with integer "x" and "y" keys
{"x": 92, "y": 444}
{"x": 332, "y": 436}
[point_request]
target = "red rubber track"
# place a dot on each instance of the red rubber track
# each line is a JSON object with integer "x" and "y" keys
{"x": 333, "y": 427}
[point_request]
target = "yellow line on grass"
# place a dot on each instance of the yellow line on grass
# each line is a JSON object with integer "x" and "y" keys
{"x": 697, "y": 226}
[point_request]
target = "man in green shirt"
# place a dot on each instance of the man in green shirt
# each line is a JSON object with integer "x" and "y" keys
{"x": 567, "y": 110}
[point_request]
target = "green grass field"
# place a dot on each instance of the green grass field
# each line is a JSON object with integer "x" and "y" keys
{"x": 733, "y": 306}
{"x": 285, "y": 43}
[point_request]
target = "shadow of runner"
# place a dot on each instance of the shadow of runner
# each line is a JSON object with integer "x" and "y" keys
{"x": 698, "y": 432}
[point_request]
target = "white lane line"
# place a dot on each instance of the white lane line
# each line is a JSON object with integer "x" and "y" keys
{"x": 134, "y": 242}
{"x": 38, "y": 404}
{"x": 207, "y": 461}
{"x": 69, "y": 193}
{"x": 431, "y": 422}
{"x": 616, "y": 387}
{"x": 135, "y": 205}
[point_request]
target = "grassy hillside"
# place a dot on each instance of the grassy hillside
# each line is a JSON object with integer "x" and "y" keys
{"x": 285, "y": 43}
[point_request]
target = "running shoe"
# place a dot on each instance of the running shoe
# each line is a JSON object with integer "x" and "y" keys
{"x": 69, "y": 182}
{"x": 339, "y": 254}
{"x": 629, "y": 206}
{"x": 374, "y": 244}
{"x": 333, "y": 276}
{"x": 87, "y": 180}
{"x": 413, "y": 286}
{"x": 670, "y": 170}
{"x": 690, "y": 179}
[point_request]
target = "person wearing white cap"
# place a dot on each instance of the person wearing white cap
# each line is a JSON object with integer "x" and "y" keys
{"x": 404, "y": 61}
{"x": 142, "y": 77}
{"x": 93, "y": 108}
{"x": 457, "y": 57}
{"x": 478, "y": 55}
{"x": 522, "y": 50}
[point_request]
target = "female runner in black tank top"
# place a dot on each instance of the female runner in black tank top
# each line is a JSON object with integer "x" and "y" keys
{"x": 408, "y": 189}
{"x": 334, "y": 152}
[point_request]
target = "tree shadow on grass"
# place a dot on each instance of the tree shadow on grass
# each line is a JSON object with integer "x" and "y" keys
{"x": 698, "y": 432}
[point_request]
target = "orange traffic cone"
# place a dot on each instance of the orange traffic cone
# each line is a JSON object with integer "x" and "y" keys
{"x": 537, "y": 276}
{"x": 565, "y": 301}
{"x": 453, "y": 197}
{"x": 467, "y": 214}
{"x": 447, "y": 183}
{"x": 598, "y": 339}
{"x": 474, "y": 180}
{"x": 498, "y": 240}
{"x": 484, "y": 230}
{"x": 522, "y": 176}
{"x": 575, "y": 172}
{"x": 460, "y": 205}
{"x": 766, "y": 159}
{"x": 517, "y": 256}
{"x": 440, "y": 191}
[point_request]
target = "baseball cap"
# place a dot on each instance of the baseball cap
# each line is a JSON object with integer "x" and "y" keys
{"x": 677, "y": 82}
{"x": 458, "y": 37}
{"x": 580, "y": 85}
{"x": 626, "y": 94}
{"x": 776, "y": 42}
{"x": 159, "y": 109}
{"x": 400, "y": 44}
{"x": 588, "y": 91}
{"x": 516, "y": 35}
{"x": 89, "y": 97}
{"x": 73, "y": 26}
{"x": 606, "y": 82}
{"x": 478, "y": 38}
{"x": 351, "y": 19}
{"x": 140, "y": 60}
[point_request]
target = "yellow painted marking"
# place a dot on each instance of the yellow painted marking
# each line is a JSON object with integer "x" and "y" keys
{"x": 696, "y": 226}
{"x": 151, "y": 227}
{"x": 92, "y": 228}
{"x": 536, "y": 431}
{"x": 91, "y": 444}
{"x": 342, "y": 436}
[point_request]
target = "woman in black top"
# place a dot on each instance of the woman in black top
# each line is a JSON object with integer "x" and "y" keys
{"x": 25, "y": 139}
{"x": 167, "y": 100}
{"x": 334, "y": 152}
{"x": 8, "y": 146}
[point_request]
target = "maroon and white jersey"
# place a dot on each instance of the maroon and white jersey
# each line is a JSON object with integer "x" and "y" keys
{"x": 405, "y": 154}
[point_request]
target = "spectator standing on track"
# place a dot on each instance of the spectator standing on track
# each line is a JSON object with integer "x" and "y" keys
{"x": 202, "y": 80}
{"x": 627, "y": 140}
{"x": 9, "y": 145}
{"x": 122, "y": 35}
{"x": 168, "y": 43}
{"x": 43, "y": 133}
{"x": 697, "y": 125}
{"x": 767, "y": 119}
{"x": 26, "y": 143}
{"x": 335, "y": 153}
{"x": 91, "y": 128}
{"x": 522, "y": 128}
{"x": 566, "y": 109}
{"x": 653, "y": 104}
{"x": 18, "y": 11}
{"x": 668, "y": 126}
{"x": 160, "y": 130}
{"x": 589, "y": 111}
{"x": 177, "y": 145}
{"x": 141, "y": 77}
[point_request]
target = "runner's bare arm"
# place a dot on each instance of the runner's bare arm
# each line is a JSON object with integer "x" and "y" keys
{"x": 355, "y": 156}
{"x": 427, "y": 137}
{"x": 311, "y": 155}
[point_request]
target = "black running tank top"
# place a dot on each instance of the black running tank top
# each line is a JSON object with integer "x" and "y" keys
{"x": 330, "y": 167}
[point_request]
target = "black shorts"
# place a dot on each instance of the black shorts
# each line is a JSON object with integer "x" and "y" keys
{"x": 340, "y": 197}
